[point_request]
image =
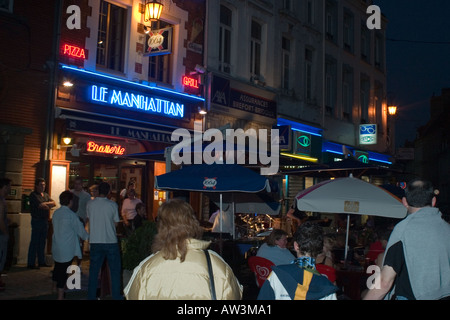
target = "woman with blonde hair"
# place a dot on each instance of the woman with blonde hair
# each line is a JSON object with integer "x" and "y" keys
{"x": 178, "y": 268}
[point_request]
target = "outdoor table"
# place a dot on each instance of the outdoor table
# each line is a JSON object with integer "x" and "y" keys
{"x": 351, "y": 280}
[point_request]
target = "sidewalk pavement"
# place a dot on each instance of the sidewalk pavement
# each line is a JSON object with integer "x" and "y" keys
{"x": 36, "y": 284}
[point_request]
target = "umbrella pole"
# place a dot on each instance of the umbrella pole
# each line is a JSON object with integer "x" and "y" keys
{"x": 233, "y": 210}
{"x": 346, "y": 239}
{"x": 220, "y": 224}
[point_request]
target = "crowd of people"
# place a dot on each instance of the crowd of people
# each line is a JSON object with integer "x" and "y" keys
{"x": 413, "y": 257}
{"x": 82, "y": 217}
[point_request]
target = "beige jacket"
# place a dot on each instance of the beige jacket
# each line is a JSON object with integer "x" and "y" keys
{"x": 158, "y": 279}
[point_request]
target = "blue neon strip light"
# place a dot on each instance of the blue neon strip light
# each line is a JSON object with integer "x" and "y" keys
{"x": 336, "y": 148}
{"x": 295, "y": 126}
{"x": 102, "y": 75}
{"x": 378, "y": 157}
{"x": 331, "y": 147}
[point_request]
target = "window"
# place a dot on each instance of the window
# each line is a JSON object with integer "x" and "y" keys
{"x": 286, "y": 57}
{"x": 310, "y": 11}
{"x": 255, "y": 49}
{"x": 6, "y": 5}
{"x": 379, "y": 51}
{"x": 348, "y": 31}
{"x": 308, "y": 74}
{"x": 287, "y": 5}
{"x": 331, "y": 21}
{"x": 111, "y": 36}
{"x": 347, "y": 93}
{"x": 365, "y": 42}
{"x": 225, "y": 32}
{"x": 159, "y": 67}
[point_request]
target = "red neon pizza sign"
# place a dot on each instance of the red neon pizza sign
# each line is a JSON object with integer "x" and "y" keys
{"x": 105, "y": 149}
{"x": 74, "y": 51}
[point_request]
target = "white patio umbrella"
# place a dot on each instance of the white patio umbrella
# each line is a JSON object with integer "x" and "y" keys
{"x": 352, "y": 196}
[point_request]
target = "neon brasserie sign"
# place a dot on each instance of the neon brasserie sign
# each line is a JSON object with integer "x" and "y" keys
{"x": 134, "y": 101}
{"x": 94, "y": 147}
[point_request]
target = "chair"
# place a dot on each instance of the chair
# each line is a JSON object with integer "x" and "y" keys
{"x": 261, "y": 267}
{"x": 327, "y": 271}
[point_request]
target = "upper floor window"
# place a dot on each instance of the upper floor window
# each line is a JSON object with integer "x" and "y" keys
{"x": 287, "y": 5}
{"x": 310, "y": 11}
{"x": 365, "y": 42}
{"x": 6, "y": 5}
{"x": 347, "y": 92}
{"x": 379, "y": 51}
{"x": 349, "y": 30}
{"x": 159, "y": 66}
{"x": 226, "y": 16}
{"x": 286, "y": 61}
{"x": 331, "y": 21}
{"x": 308, "y": 74}
{"x": 255, "y": 49}
{"x": 111, "y": 36}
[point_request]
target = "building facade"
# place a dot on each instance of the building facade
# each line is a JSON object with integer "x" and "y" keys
{"x": 116, "y": 85}
{"x": 316, "y": 63}
{"x": 120, "y": 91}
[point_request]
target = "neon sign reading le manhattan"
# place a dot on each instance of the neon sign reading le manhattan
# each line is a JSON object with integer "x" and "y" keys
{"x": 136, "y": 101}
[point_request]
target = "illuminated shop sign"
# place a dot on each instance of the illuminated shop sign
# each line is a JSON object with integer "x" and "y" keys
{"x": 367, "y": 134}
{"x": 362, "y": 156}
{"x": 302, "y": 143}
{"x": 135, "y": 101}
{"x": 159, "y": 42}
{"x": 74, "y": 51}
{"x": 93, "y": 147}
{"x": 190, "y": 82}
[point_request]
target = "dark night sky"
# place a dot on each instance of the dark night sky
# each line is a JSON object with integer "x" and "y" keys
{"x": 416, "y": 70}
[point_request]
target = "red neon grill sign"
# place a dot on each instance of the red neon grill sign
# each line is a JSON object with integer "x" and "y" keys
{"x": 75, "y": 52}
{"x": 190, "y": 82}
{"x": 105, "y": 149}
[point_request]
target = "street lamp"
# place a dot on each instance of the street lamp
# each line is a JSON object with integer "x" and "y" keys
{"x": 153, "y": 10}
{"x": 392, "y": 110}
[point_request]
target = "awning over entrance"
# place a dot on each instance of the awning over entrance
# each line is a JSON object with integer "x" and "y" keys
{"x": 341, "y": 169}
{"x": 77, "y": 120}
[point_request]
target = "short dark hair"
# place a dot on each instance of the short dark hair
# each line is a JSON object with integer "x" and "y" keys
{"x": 419, "y": 193}
{"x": 78, "y": 178}
{"x": 309, "y": 237}
{"x": 4, "y": 182}
{"x": 65, "y": 197}
{"x": 104, "y": 188}
{"x": 275, "y": 235}
{"x": 39, "y": 180}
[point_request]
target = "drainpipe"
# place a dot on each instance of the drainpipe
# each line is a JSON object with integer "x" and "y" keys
{"x": 52, "y": 64}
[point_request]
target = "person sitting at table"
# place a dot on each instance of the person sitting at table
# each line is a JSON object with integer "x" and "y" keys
{"x": 377, "y": 248}
{"x": 275, "y": 248}
{"x": 326, "y": 257}
{"x": 300, "y": 280}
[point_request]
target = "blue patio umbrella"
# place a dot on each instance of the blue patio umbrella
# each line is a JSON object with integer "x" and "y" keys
{"x": 215, "y": 178}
